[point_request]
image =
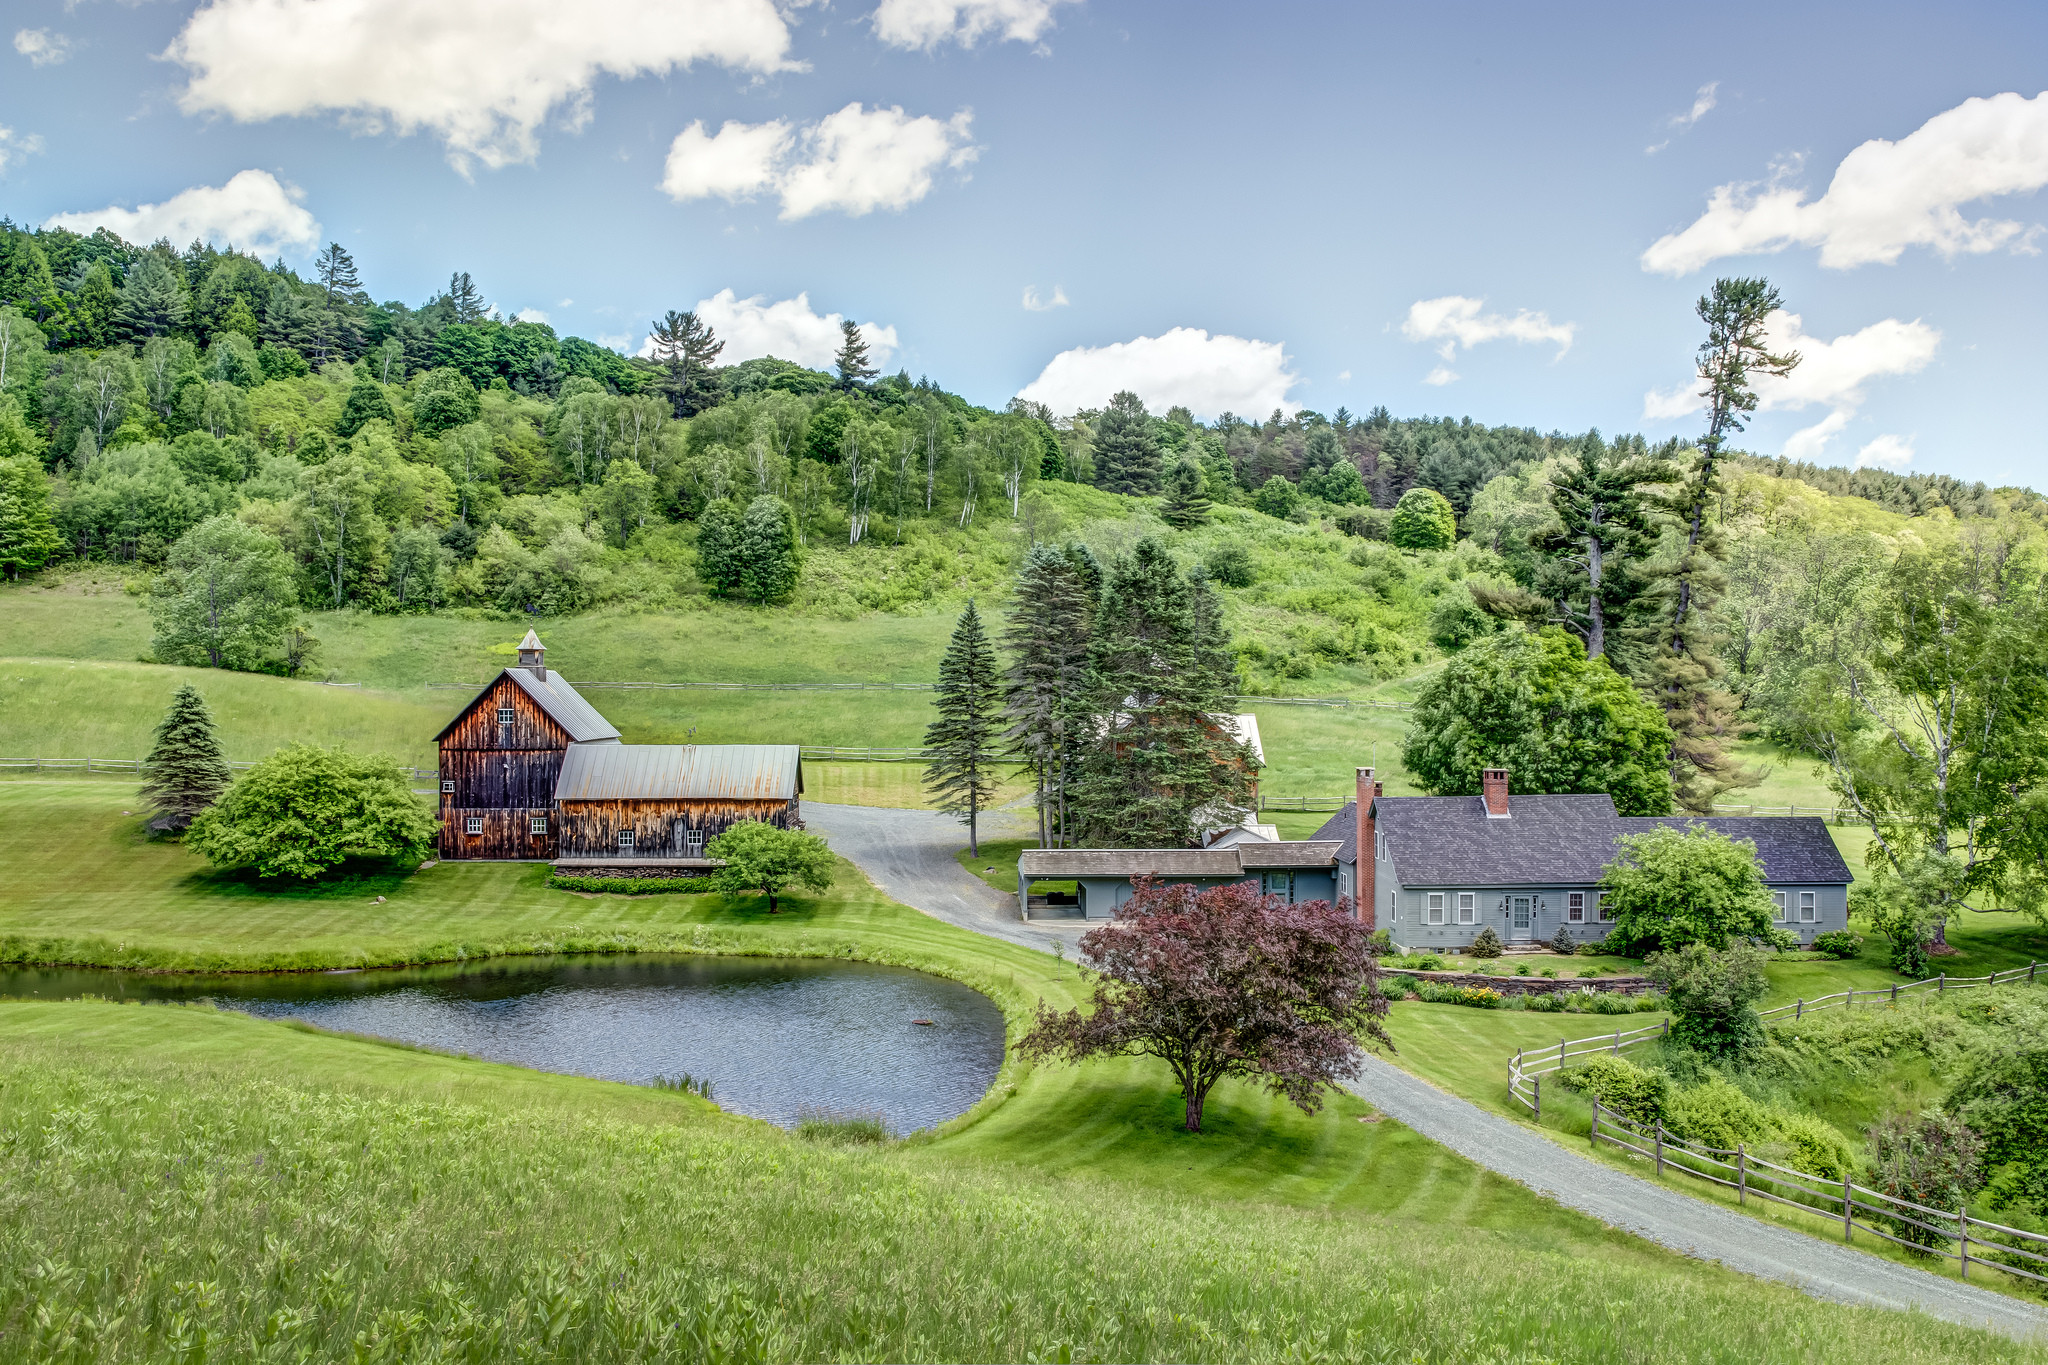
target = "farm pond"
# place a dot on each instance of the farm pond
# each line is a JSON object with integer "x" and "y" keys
{"x": 775, "y": 1037}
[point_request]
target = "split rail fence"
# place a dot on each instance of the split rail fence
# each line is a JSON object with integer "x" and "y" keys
{"x": 128, "y": 765}
{"x": 2012, "y": 1250}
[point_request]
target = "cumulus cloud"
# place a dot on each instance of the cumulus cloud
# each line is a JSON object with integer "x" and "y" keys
{"x": 928, "y": 23}
{"x": 252, "y": 211}
{"x": 1886, "y": 452}
{"x": 13, "y": 146}
{"x": 1185, "y": 367}
{"x": 789, "y": 329}
{"x": 1885, "y": 196}
{"x": 483, "y": 75}
{"x": 855, "y": 161}
{"x": 1440, "y": 376}
{"x": 1033, "y": 303}
{"x": 530, "y": 315}
{"x": 1454, "y": 320}
{"x": 42, "y": 47}
{"x": 1830, "y": 374}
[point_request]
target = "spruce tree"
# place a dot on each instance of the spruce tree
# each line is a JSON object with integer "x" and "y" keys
{"x": 1158, "y": 761}
{"x": 1604, "y": 529}
{"x": 1187, "y": 497}
{"x": 1045, "y": 688}
{"x": 1126, "y": 452}
{"x": 718, "y": 548}
{"x": 186, "y": 771}
{"x": 152, "y": 300}
{"x": 768, "y": 554}
{"x": 852, "y": 360}
{"x": 965, "y": 743}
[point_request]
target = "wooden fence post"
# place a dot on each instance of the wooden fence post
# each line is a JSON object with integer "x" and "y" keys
{"x": 1538, "y": 1084}
{"x": 1560, "y": 1054}
{"x": 1593, "y": 1138}
{"x": 1941, "y": 983}
{"x": 1963, "y": 1237}
{"x": 1848, "y": 1211}
{"x": 1667, "y": 1028}
{"x": 1660, "y": 1150}
{"x": 2030, "y": 971}
{"x": 1895, "y": 993}
{"x": 1798, "y": 1008}
{"x": 1741, "y": 1176}
{"x": 1617, "y": 1042}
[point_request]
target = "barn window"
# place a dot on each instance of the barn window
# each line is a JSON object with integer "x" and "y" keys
{"x": 475, "y": 824}
{"x": 1575, "y": 906}
{"x": 1468, "y": 907}
{"x": 693, "y": 842}
{"x": 625, "y": 841}
{"x": 448, "y": 785}
{"x": 538, "y": 824}
{"x": 505, "y": 717}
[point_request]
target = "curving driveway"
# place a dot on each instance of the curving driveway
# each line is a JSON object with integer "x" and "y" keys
{"x": 909, "y": 855}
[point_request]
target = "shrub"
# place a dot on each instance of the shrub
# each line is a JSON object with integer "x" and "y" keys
{"x": 1713, "y": 996}
{"x": 301, "y": 811}
{"x": 1564, "y": 943}
{"x": 1809, "y": 1144}
{"x": 1231, "y": 565}
{"x": 1615, "y": 944}
{"x": 1674, "y": 887}
{"x": 1456, "y": 621}
{"x": 2004, "y": 1096}
{"x": 1838, "y": 943}
{"x": 1716, "y": 1114}
{"x": 1487, "y": 944}
{"x": 1931, "y": 1159}
{"x": 1423, "y": 520}
{"x": 633, "y": 886}
{"x": 1639, "y": 1094}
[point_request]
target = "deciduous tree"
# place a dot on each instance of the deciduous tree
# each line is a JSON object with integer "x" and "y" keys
{"x": 1668, "y": 887}
{"x": 303, "y": 810}
{"x": 1423, "y": 520}
{"x": 1226, "y": 982}
{"x": 1713, "y": 997}
{"x": 225, "y": 599}
{"x": 766, "y": 858}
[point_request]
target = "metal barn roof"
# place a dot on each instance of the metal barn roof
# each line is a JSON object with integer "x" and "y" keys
{"x": 563, "y": 704}
{"x": 680, "y": 772}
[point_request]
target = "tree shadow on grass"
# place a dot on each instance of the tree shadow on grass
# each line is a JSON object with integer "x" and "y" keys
{"x": 353, "y": 879}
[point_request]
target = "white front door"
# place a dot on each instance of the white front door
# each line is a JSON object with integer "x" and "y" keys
{"x": 1521, "y": 917}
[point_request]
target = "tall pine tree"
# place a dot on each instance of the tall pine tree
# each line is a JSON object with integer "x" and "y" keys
{"x": 1187, "y": 497}
{"x": 186, "y": 771}
{"x": 1045, "y": 689}
{"x": 1126, "y": 452}
{"x": 687, "y": 348}
{"x": 965, "y": 743}
{"x": 1593, "y": 577}
{"x": 852, "y": 360}
{"x": 1158, "y": 762}
{"x": 1688, "y": 668}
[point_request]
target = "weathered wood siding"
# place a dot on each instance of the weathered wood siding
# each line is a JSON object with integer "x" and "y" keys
{"x": 590, "y": 829}
{"x": 504, "y": 775}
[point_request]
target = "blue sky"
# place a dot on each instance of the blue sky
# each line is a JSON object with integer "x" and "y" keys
{"x": 1445, "y": 209}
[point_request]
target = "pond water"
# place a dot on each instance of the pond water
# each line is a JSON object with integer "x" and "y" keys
{"x": 775, "y": 1036}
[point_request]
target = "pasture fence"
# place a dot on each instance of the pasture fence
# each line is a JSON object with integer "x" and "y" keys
{"x": 135, "y": 765}
{"x": 2013, "y": 1250}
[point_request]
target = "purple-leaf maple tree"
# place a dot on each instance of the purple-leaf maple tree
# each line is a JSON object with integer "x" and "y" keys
{"x": 1226, "y": 982}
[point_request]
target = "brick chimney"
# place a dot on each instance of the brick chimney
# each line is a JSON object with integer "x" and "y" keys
{"x": 533, "y": 656}
{"x": 1494, "y": 783}
{"x": 1365, "y": 897}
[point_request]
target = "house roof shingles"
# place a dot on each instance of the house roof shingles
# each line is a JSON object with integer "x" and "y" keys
{"x": 1553, "y": 840}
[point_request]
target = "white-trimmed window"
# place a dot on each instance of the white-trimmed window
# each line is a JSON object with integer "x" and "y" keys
{"x": 537, "y": 824}
{"x": 1575, "y": 906}
{"x": 1436, "y": 907}
{"x": 1468, "y": 907}
{"x": 1809, "y": 907}
{"x": 1606, "y": 911}
{"x": 1778, "y": 906}
{"x": 1393, "y": 905}
{"x": 474, "y": 825}
{"x": 448, "y": 786}
{"x": 1379, "y": 844}
{"x": 625, "y": 841}
{"x": 505, "y": 716}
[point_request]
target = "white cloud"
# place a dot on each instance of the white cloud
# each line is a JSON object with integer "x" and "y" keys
{"x": 1885, "y": 196}
{"x": 856, "y": 161}
{"x": 13, "y": 148}
{"x": 1702, "y": 104}
{"x": 252, "y": 211}
{"x": 1886, "y": 452}
{"x": 928, "y": 23}
{"x": 1185, "y": 367}
{"x": 622, "y": 342}
{"x": 1454, "y": 321}
{"x": 530, "y": 315}
{"x": 1343, "y": 375}
{"x": 788, "y": 330}
{"x": 42, "y": 47}
{"x": 483, "y": 75}
{"x": 1830, "y": 374}
{"x": 1033, "y": 303}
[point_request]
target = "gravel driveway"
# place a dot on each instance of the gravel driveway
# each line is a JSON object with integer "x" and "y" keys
{"x": 909, "y": 855}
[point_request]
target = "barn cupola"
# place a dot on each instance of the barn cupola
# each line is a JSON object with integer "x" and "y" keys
{"x": 533, "y": 656}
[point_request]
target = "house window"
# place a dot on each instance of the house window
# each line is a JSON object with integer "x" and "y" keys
{"x": 448, "y": 786}
{"x": 1393, "y": 905}
{"x": 693, "y": 842}
{"x": 537, "y": 824}
{"x": 1278, "y": 884}
{"x": 1606, "y": 911}
{"x": 1468, "y": 908}
{"x": 1809, "y": 907}
{"x": 1436, "y": 907}
{"x": 1778, "y": 901}
{"x": 1379, "y": 845}
{"x": 1575, "y": 906}
{"x": 475, "y": 824}
{"x": 625, "y": 841}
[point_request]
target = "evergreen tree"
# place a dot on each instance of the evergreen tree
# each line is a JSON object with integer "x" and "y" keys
{"x": 1045, "y": 690}
{"x": 687, "y": 349}
{"x": 1158, "y": 762}
{"x": 153, "y": 300}
{"x": 25, "y": 278}
{"x": 1187, "y": 497}
{"x": 1688, "y": 677}
{"x": 186, "y": 771}
{"x": 464, "y": 299}
{"x": 1126, "y": 452}
{"x": 336, "y": 270}
{"x": 768, "y": 554}
{"x": 366, "y": 402}
{"x": 718, "y": 548}
{"x": 965, "y": 743}
{"x": 1603, "y": 531}
{"x": 852, "y": 360}
{"x": 28, "y": 536}
{"x": 93, "y": 302}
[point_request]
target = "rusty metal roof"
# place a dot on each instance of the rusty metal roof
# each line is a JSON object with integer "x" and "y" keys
{"x": 563, "y": 704}
{"x": 680, "y": 772}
